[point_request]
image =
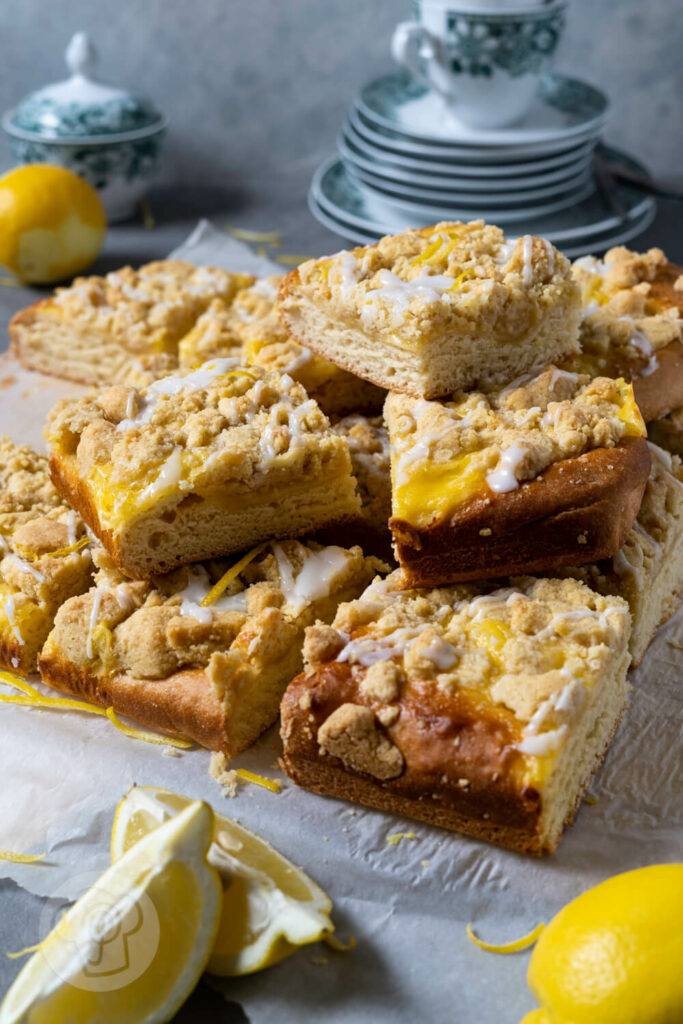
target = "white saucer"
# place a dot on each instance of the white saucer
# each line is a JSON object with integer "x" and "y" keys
{"x": 595, "y": 244}
{"x": 428, "y": 212}
{"x": 565, "y": 107}
{"x": 336, "y": 193}
{"x": 392, "y": 142}
{"x": 414, "y": 172}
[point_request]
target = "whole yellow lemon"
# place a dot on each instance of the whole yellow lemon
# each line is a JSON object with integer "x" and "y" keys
{"x": 52, "y": 223}
{"x": 614, "y": 955}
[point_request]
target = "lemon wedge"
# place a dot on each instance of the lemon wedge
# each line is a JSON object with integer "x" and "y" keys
{"x": 52, "y": 223}
{"x": 132, "y": 948}
{"x": 270, "y": 906}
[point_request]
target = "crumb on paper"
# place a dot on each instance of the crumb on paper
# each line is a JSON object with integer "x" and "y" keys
{"x": 395, "y": 838}
{"x": 325, "y": 838}
{"x": 426, "y": 863}
{"x": 485, "y": 531}
{"x": 591, "y": 800}
{"x": 319, "y": 961}
{"x": 582, "y": 539}
{"x": 7, "y": 382}
{"x": 226, "y": 778}
{"x": 170, "y": 752}
{"x": 675, "y": 643}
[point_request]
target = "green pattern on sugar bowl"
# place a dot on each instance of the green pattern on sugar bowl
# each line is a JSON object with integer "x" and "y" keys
{"x": 109, "y": 136}
{"x": 99, "y": 164}
{"x": 517, "y": 45}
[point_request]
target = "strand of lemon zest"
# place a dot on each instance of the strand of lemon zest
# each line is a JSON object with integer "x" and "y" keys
{"x": 148, "y": 737}
{"x": 21, "y": 858}
{"x": 262, "y": 252}
{"x": 148, "y": 220}
{"x": 24, "y": 952}
{"x": 425, "y": 256}
{"x": 273, "y": 238}
{"x": 259, "y": 780}
{"x": 591, "y": 800}
{"x": 291, "y": 259}
{"x": 83, "y": 542}
{"x": 395, "y": 838}
{"x": 507, "y": 947}
{"x": 460, "y": 278}
{"x": 10, "y": 282}
{"x": 37, "y": 700}
{"x": 448, "y": 249}
{"x": 19, "y": 684}
{"x": 231, "y": 574}
{"x": 341, "y": 947}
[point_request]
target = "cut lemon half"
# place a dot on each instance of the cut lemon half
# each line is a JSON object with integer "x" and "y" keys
{"x": 132, "y": 948}
{"x": 270, "y": 906}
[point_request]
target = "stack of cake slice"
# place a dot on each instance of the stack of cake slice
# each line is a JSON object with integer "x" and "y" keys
{"x": 234, "y": 531}
{"x": 464, "y": 690}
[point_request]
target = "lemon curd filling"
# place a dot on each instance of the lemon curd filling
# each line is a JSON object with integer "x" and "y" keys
{"x": 426, "y": 491}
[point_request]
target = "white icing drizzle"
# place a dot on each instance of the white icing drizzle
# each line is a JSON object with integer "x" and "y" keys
{"x": 622, "y": 566}
{"x": 196, "y": 589}
{"x": 169, "y": 476}
{"x": 558, "y": 374}
{"x": 348, "y": 274}
{"x": 125, "y": 597}
{"x": 544, "y": 743}
{"x": 10, "y": 611}
{"x": 590, "y": 309}
{"x": 527, "y": 265}
{"x": 549, "y": 248}
{"x": 505, "y": 250}
{"x": 503, "y": 478}
{"x": 197, "y": 380}
{"x": 440, "y": 653}
{"x": 304, "y": 357}
{"x": 642, "y": 344}
{"x": 264, "y": 287}
{"x": 94, "y": 615}
{"x": 398, "y": 294}
{"x": 71, "y": 523}
{"x": 315, "y": 578}
{"x": 591, "y": 265}
{"x": 294, "y": 425}
{"x": 568, "y": 701}
{"x": 25, "y": 567}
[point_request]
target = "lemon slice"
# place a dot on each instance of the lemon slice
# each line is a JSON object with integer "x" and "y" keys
{"x": 132, "y": 948}
{"x": 270, "y": 906}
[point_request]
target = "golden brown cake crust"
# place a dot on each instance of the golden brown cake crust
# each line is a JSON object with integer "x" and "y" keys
{"x": 663, "y": 388}
{"x": 183, "y": 704}
{"x": 533, "y": 528}
{"x": 425, "y": 733}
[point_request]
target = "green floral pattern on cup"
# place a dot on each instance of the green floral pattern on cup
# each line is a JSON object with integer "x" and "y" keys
{"x": 476, "y": 45}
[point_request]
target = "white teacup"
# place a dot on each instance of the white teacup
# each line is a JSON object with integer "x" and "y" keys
{"x": 484, "y": 57}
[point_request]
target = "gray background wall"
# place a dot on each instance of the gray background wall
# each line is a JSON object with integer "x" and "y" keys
{"x": 256, "y": 89}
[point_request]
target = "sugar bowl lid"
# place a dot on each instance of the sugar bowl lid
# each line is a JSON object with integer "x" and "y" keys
{"x": 81, "y": 106}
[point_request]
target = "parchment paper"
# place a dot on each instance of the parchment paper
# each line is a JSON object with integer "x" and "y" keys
{"x": 406, "y": 905}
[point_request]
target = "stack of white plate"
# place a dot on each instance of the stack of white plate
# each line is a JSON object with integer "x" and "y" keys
{"x": 405, "y": 160}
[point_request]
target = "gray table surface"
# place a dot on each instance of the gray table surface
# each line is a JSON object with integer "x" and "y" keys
{"x": 176, "y": 211}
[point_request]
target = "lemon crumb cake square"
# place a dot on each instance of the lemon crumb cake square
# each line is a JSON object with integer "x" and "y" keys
{"x": 667, "y": 431}
{"x": 368, "y": 443}
{"x": 98, "y": 328}
{"x": 435, "y": 310}
{"x": 199, "y": 465}
{"x": 648, "y": 570}
{"x": 480, "y": 711}
{"x": 632, "y": 326}
{"x": 250, "y": 327}
{"x": 44, "y": 557}
{"x": 206, "y": 651}
{"x": 548, "y": 472}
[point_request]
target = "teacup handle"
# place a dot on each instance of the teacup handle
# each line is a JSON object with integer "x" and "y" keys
{"x": 424, "y": 56}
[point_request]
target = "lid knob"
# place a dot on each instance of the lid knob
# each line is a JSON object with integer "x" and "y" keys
{"x": 81, "y": 55}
